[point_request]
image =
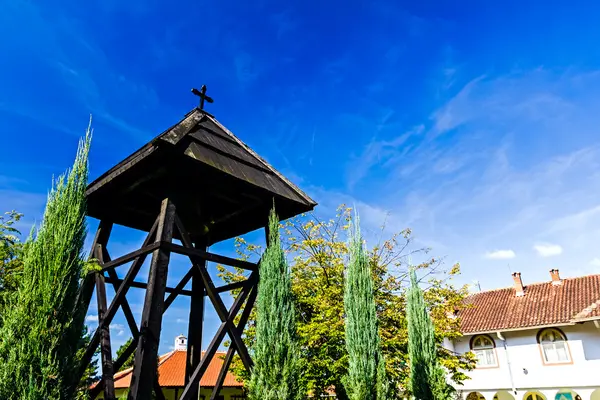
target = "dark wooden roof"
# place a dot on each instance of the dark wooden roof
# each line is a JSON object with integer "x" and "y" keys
{"x": 220, "y": 186}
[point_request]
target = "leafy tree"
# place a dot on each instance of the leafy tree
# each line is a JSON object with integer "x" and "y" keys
{"x": 40, "y": 334}
{"x": 276, "y": 365}
{"x": 318, "y": 251}
{"x": 362, "y": 336}
{"x": 129, "y": 362}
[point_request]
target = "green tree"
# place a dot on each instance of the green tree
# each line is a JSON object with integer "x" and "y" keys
{"x": 362, "y": 336}
{"x": 276, "y": 365}
{"x": 40, "y": 334}
{"x": 129, "y": 362}
{"x": 427, "y": 377}
{"x": 10, "y": 256}
{"x": 318, "y": 250}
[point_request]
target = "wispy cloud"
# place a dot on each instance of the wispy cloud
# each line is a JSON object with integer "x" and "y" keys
{"x": 548, "y": 250}
{"x": 500, "y": 255}
{"x": 474, "y": 181}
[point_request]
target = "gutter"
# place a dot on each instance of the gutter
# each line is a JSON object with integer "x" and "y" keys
{"x": 512, "y": 383}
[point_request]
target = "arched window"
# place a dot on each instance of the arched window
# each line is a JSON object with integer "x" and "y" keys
{"x": 554, "y": 346}
{"x": 485, "y": 349}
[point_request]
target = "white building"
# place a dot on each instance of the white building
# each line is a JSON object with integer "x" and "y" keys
{"x": 533, "y": 342}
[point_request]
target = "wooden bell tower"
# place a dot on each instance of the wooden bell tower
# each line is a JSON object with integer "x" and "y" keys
{"x": 197, "y": 183}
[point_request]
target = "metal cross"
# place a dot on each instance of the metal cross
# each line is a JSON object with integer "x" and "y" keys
{"x": 202, "y": 94}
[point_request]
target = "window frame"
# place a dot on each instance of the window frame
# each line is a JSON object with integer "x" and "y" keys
{"x": 565, "y": 341}
{"x": 494, "y": 351}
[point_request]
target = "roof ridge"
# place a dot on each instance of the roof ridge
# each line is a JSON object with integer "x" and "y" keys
{"x": 535, "y": 284}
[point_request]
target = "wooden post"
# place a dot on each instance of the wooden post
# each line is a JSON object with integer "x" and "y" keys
{"x": 105, "y": 348}
{"x": 146, "y": 357}
{"x": 196, "y": 321}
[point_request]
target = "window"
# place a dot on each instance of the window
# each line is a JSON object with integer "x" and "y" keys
{"x": 484, "y": 348}
{"x": 534, "y": 396}
{"x": 554, "y": 348}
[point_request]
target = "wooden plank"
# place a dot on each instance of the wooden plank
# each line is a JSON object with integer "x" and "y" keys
{"x": 213, "y": 346}
{"x": 105, "y": 347}
{"x": 196, "y": 321}
{"x": 144, "y": 370}
{"x": 216, "y": 299}
{"x": 204, "y": 255}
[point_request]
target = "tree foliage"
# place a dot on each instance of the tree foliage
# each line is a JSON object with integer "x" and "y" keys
{"x": 41, "y": 335}
{"x": 276, "y": 363}
{"x": 10, "y": 255}
{"x": 362, "y": 336}
{"x": 129, "y": 362}
{"x": 427, "y": 378}
{"x": 318, "y": 253}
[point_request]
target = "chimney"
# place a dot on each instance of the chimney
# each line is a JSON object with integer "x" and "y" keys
{"x": 180, "y": 343}
{"x": 519, "y": 291}
{"x": 555, "y": 277}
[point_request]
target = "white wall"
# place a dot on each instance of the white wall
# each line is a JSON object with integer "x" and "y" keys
{"x": 524, "y": 354}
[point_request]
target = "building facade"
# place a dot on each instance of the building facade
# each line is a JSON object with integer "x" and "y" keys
{"x": 533, "y": 342}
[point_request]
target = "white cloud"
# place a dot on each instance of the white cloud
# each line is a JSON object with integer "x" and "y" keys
{"x": 120, "y": 329}
{"x": 500, "y": 255}
{"x": 91, "y": 318}
{"x": 595, "y": 262}
{"x": 548, "y": 250}
{"x": 181, "y": 321}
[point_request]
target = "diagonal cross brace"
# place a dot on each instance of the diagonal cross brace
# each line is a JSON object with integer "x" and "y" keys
{"x": 217, "y": 339}
{"x": 114, "y": 305}
{"x": 231, "y": 351}
{"x": 215, "y": 298}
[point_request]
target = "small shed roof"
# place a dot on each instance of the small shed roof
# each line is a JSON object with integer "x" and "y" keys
{"x": 220, "y": 186}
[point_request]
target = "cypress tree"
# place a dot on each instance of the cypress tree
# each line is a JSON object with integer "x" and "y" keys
{"x": 276, "y": 371}
{"x": 362, "y": 336}
{"x": 39, "y": 340}
{"x": 427, "y": 380}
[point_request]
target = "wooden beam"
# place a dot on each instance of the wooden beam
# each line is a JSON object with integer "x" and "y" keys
{"x": 186, "y": 278}
{"x": 142, "y": 285}
{"x": 231, "y": 350}
{"x": 105, "y": 347}
{"x": 144, "y": 370}
{"x": 144, "y": 251}
{"x": 203, "y": 255}
{"x": 213, "y": 346}
{"x": 196, "y": 321}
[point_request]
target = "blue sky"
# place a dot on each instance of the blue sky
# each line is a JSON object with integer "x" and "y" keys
{"x": 476, "y": 126}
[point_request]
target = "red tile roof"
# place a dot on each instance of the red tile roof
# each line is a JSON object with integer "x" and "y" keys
{"x": 171, "y": 372}
{"x": 575, "y": 299}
